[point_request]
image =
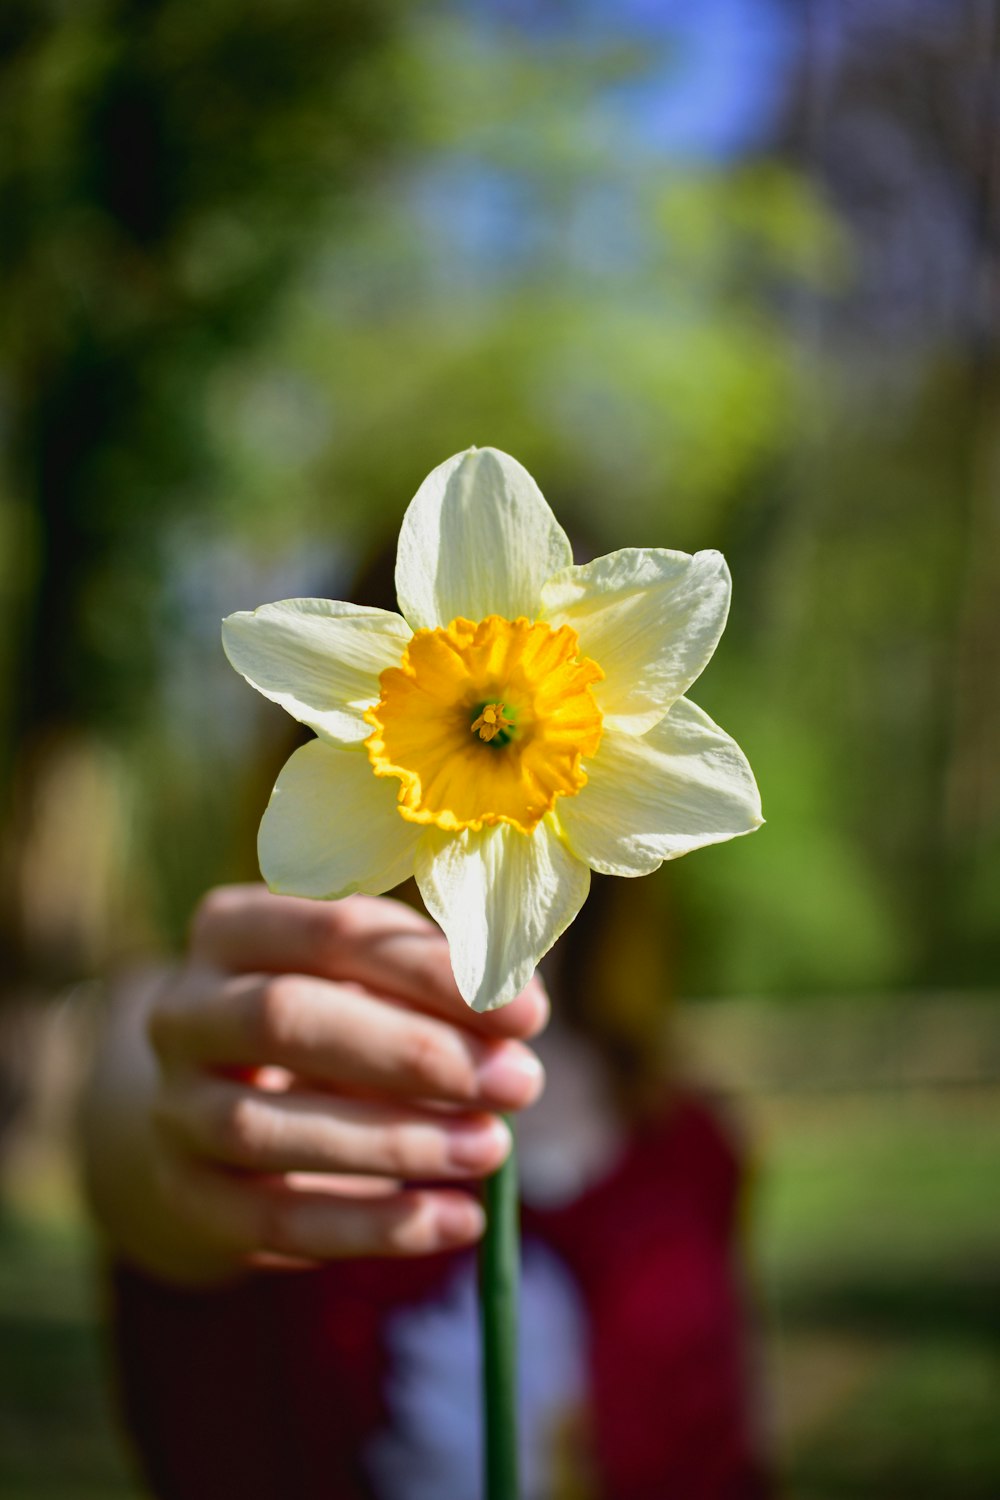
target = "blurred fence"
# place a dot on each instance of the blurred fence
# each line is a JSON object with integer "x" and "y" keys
{"x": 859, "y": 1044}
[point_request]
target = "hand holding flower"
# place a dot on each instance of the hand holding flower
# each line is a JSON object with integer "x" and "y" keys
{"x": 309, "y": 1061}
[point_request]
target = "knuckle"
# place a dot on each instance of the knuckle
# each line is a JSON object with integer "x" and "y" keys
{"x": 430, "y": 1062}
{"x": 396, "y": 1154}
{"x": 326, "y": 925}
{"x": 213, "y": 907}
{"x": 345, "y": 917}
{"x": 362, "y": 913}
{"x": 331, "y": 928}
{"x": 165, "y": 1022}
{"x": 431, "y": 967}
{"x": 243, "y": 1131}
{"x": 409, "y": 1229}
{"x": 277, "y": 1012}
{"x": 436, "y": 953}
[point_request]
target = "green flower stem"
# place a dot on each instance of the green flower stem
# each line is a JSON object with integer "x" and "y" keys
{"x": 499, "y": 1275}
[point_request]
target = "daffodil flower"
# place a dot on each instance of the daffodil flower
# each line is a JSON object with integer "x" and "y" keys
{"x": 520, "y": 723}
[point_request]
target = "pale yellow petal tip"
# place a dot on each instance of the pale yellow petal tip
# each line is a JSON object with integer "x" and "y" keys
{"x": 482, "y": 1004}
{"x": 483, "y": 1007}
{"x": 279, "y": 887}
{"x": 753, "y": 826}
{"x": 754, "y": 821}
{"x": 292, "y": 888}
{"x": 243, "y": 614}
{"x": 477, "y": 997}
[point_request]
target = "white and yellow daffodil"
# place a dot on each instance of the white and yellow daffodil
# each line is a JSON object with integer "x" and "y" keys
{"x": 520, "y": 723}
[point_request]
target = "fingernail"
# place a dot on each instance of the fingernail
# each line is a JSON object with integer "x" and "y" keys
{"x": 478, "y": 1147}
{"x": 460, "y": 1220}
{"x": 510, "y": 1077}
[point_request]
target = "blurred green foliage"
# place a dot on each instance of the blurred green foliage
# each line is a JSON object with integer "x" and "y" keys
{"x": 270, "y": 263}
{"x": 156, "y": 195}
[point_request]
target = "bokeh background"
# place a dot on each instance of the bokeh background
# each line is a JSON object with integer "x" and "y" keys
{"x": 721, "y": 273}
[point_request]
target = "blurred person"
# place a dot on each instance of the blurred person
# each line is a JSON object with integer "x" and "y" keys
{"x": 282, "y": 1136}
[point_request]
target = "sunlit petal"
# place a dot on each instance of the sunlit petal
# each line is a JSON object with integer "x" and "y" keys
{"x": 682, "y": 785}
{"x": 319, "y": 658}
{"x": 650, "y": 618}
{"x": 332, "y": 828}
{"x": 477, "y": 539}
{"x": 502, "y": 898}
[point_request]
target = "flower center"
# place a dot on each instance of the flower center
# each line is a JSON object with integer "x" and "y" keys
{"x": 491, "y": 722}
{"x": 486, "y": 723}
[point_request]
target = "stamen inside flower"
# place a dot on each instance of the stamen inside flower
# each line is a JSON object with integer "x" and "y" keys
{"x": 491, "y": 721}
{"x": 517, "y": 686}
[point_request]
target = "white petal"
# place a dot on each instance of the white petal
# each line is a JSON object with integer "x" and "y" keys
{"x": 649, "y": 618}
{"x": 319, "y": 658}
{"x": 682, "y": 785}
{"x": 477, "y": 539}
{"x": 502, "y": 897}
{"x": 332, "y": 827}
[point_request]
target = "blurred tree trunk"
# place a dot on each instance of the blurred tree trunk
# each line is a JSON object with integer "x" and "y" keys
{"x": 164, "y": 170}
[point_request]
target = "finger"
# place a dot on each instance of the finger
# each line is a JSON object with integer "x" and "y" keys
{"x": 252, "y": 1216}
{"x": 301, "y": 1132}
{"x": 369, "y": 940}
{"x": 341, "y": 1037}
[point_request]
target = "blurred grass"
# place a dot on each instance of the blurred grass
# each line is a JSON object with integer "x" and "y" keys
{"x": 922, "y": 1423}
{"x": 878, "y": 1256}
{"x": 57, "y": 1434}
{"x": 876, "y": 1263}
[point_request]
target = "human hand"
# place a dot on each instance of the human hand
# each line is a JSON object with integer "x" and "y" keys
{"x": 314, "y": 1058}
